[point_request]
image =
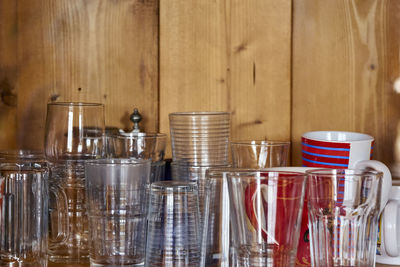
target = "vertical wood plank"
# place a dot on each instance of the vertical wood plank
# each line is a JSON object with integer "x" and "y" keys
{"x": 228, "y": 55}
{"x": 345, "y": 62}
{"x": 93, "y": 51}
{"x": 8, "y": 74}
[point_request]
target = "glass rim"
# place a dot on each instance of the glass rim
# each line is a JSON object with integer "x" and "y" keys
{"x": 198, "y": 113}
{"x": 135, "y": 135}
{"x": 22, "y": 167}
{"x": 118, "y": 162}
{"x": 174, "y": 186}
{"x": 22, "y": 154}
{"x": 259, "y": 143}
{"x": 76, "y": 104}
{"x": 330, "y": 173}
{"x": 249, "y": 174}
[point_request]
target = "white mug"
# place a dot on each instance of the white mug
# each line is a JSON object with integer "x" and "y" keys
{"x": 388, "y": 248}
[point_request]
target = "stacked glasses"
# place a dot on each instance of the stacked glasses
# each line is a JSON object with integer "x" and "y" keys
{"x": 200, "y": 140}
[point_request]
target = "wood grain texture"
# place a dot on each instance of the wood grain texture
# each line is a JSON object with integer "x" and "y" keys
{"x": 8, "y": 74}
{"x": 345, "y": 61}
{"x": 228, "y": 55}
{"x": 92, "y": 51}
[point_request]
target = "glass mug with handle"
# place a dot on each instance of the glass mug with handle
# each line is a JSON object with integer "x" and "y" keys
{"x": 74, "y": 134}
{"x": 337, "y": 149}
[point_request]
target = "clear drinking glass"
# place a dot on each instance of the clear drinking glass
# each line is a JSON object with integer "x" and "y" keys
{"x": 173, "y": 237}
{"x": 23, "y": 215}
{"x": 74, "y": 133}
{"x": 343, "y": 211}
{"x": 259, "y": 154}
{"x": 215, "y": 247}
{"x": 265, "y": 214}
{"x": 117, "y": 205}
{"x": 137, "y": 145}
{"x": 200, "y": 138}
{"x": 140, "y": 146}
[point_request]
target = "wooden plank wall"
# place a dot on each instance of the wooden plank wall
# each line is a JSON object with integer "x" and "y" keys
{"x": 345, "y": 63}
{"x": 281, "y": 67}
{"x": 82, "y": 50}
{"x": 230, "y": 56}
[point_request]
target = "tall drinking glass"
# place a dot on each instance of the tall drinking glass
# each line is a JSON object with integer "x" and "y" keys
{"x": 266, "y": 211}
{"x": 74, "y": 133}
{"x": 343, "y": 211}
{"x": 23, "y": 215}
{"x": 116, "y": 202}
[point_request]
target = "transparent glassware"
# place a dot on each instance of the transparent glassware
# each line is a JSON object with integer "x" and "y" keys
{"x": 117, "y": 209}
{"x": 74, "y": 133}
{"x": 343, "y": 211}
{"x": 139, "y": 146}
{"x": 23, "y": 215}
{"x": 266, "y": 208}
{"x": 173, "y": 236}
{"x": 200, "y": 138}
{"x": 216, "y": 236}
{"x": 259, "y": 154}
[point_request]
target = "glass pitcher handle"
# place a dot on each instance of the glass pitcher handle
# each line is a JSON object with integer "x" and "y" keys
{"x": 58, "y": 216}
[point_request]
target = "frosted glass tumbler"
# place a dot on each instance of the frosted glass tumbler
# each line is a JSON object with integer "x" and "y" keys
{"x": 116, "y": 203}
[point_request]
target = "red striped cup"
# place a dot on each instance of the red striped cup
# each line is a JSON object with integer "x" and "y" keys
{"x": 336, "y": 150}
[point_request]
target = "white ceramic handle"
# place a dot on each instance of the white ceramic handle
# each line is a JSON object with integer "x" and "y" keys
{"x": 386, "y": 181}
{"x": 390, "y": 228}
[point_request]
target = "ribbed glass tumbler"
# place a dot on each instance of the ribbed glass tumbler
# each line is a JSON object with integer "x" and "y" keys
{"x": 23, "y": 215}
{"x": 173, "y": 236}
{"x": 343, "y": 211}
{"x": 200, "y": 138}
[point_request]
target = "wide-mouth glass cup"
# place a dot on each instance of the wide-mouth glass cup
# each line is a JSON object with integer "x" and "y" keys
{"x": 266, "y": 208}
{"x": 259, "y": 154}
{"x": 137, "y": 145}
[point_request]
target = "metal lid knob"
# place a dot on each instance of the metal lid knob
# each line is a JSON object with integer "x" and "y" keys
{"x": 135, "y": 118}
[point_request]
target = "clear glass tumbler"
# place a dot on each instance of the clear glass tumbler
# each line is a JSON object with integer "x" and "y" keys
{"x": 117, "y": 208}
{"x": 139, "y": 146}
{"x": 215, "y": 246}
{"x": 74, "y": 133}
{"x": 173, "y": 236}
{"x": 259, "y": 154}
{"x": 266, "y": 211}
{"x": 23, "y": 215}
{"x": 343, "y": 211}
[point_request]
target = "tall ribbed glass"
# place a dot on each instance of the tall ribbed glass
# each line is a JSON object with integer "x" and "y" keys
{"x": 23, "y": 215}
